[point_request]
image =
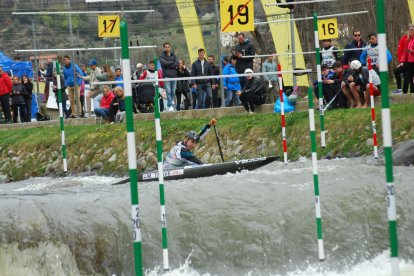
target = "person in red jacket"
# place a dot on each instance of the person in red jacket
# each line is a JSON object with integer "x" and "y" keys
{"x": 104, "y": 107}
{"x": 5, "y": 89}
{"x": 400, "y": 68}
{"x": 407, "y": 59}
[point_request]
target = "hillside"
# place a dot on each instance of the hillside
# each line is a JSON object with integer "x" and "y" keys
{"x": 53, "y": 31}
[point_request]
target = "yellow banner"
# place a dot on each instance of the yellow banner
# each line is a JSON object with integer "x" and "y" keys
{"x": 282, "y": 39}
{"x": 191, "y": 26}
{"x": 411, "y": 7}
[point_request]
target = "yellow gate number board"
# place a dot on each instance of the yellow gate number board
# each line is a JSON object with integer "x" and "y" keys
{"x": 328, "y": 28}
{"x": 237, "y": 15}
{"x": 108, "y": 26}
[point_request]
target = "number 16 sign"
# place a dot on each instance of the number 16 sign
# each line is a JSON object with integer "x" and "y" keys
{"x": 237, "y": 15}
{"x": 328, "y": 28}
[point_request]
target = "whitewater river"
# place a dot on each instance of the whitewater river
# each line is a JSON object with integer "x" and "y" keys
{"x": 252, "y": 223}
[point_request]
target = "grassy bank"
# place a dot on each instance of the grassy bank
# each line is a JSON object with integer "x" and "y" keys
{"x": 101, "y": 149}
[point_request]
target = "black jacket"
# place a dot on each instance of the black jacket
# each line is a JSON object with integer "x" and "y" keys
{"x": 196, "y": 71}
{"x": 62, "y": 87}
{"x": 255, "y": 86}
{"x": 18, "y": 94}
{"x": 29, "y": 88}
{"x": 355, "y": 54}
{"x": 246, "y": 49}
{"x": 182, "y": 85}
{"x": 169, "y": 65}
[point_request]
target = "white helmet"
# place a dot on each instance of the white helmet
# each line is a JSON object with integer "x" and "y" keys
{"x": 355, "y": 65}
{"x": 248, "y": 71}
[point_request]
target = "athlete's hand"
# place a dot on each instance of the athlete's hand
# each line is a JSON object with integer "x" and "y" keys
{"x": 213, "y": 122}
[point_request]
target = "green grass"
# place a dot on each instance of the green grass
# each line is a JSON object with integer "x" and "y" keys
{"x": 347, "y": 134}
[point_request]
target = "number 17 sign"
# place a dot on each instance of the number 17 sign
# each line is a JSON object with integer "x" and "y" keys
{"x": 237, "y": 15}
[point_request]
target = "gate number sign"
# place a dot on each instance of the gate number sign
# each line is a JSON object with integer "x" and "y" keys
{"x": 237, "y": 15}
{"x": 328, "y": 28}
{"x": 108, "y": 26}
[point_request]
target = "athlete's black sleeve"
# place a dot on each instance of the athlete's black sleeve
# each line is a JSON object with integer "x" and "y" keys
{"x": 189, "y": 156}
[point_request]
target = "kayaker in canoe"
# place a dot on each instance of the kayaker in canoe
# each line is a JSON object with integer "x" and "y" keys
{"x": 180, "y": 155}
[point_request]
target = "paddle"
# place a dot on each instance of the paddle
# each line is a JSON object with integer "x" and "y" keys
{"x": 218, "y": 143}
{"x": 331, "y": 101}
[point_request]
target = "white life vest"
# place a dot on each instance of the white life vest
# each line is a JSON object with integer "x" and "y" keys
{"x": 328, "y": 57}
{"x": 152, "y": 76}
{"x": 375, "y": 78}
{"x": 174, "y": 156}
{"x": 373, "y": 53}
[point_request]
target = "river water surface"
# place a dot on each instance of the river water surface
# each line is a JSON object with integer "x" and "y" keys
{"x": 252, "y": 223}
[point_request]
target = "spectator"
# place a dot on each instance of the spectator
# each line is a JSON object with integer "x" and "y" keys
{"x": 329, "y": 53}
{"x": 5, "y": 89}
{"x": 105, "y": 104}
{"x": 335, "y": 82}
{"x": 106, "y": 75}
{"x": 358, "y": 84}
{"x": 70, "y": 79}
{"x": 182, "y": 86}
{"x": 204, "y": 87}
{"x": 326, "y": 75}
{"x": 63, "y": 93}
{"x": 270, "y": 66}
{"x": 94, "y": 90}
{"x": 408, "y": 56}
{"x": 119, "y": 77}
{"x": 48, "y": 78}
{"x": 18, "y": 104}
{"x": 400, "y": 68}
{"x": 169, "y": 64}
{"x": 232, "y": 84}
{"x": 151, "y": 74}
{"x": 138, "y": 71}
{"x": 372, "y": 51}
{"x": 117, "y": 107}
{"x": 252, "y": 93}
{"x": 28, "y": 85}
{"x": 243, "y": 48}
{"x": 353, "y": 54}
{"x": 216, "y": 71}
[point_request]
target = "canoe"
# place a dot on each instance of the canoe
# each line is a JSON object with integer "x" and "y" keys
{"x": 206, "y": 170}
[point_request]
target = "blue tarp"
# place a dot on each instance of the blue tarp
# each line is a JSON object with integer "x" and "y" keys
{"x": 18, "y": 68}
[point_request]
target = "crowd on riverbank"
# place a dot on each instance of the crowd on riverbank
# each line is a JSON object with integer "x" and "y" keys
{"x": 345, "y": 81}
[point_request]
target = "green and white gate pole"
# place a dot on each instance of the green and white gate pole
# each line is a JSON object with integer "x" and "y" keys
{"x": 61, "y": 118}
{"x": 319, "y": 73}
{"x": 315, "y": 175}
{"x": 387, "y": 137}
{"x": 132, "y": 159}
{"x": 158, "y": 136}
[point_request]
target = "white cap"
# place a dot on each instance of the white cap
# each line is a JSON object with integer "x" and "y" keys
{"x": 139, "y": 65}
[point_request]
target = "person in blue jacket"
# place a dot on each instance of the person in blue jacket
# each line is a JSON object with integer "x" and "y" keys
{"x": 231, "y": 85}
{"x": 70, "y": 79}
{"x": 372, "y": 51}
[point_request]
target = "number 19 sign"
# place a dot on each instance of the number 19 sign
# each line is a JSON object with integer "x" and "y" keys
{"x": 237, "y": 15}
{"x": 328, "y": 28}
{"x": 108, "y": 26}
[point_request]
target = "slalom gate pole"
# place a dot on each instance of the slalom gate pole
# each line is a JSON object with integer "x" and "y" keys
{"x": 132, "y": 159}
{"x": 282, "y": 115}
{"x": 319, "y": 73}
{"x": 315, "y": 175}
{"x": 61, "y": 118}
{"x": 158, "y": 135}
{"x": 387, "y": 137}
{"x": 371, "y": 96}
